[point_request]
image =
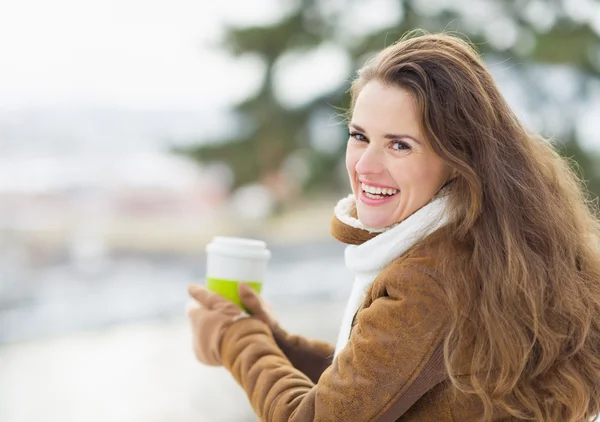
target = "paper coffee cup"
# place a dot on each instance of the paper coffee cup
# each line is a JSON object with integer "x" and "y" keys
{"x": 232, "y": 260}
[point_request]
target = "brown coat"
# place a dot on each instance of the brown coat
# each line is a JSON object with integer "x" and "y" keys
{"x": 393, "y": 363}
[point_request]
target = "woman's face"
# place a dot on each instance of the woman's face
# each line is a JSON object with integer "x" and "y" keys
{"x": 392, "y": 170}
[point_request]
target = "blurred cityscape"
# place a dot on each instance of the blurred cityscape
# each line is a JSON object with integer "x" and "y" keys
{"x": 73, "y": 226}
{"x": 133, "y": 132}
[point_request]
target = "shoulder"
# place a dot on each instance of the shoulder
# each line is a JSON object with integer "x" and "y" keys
{"x": 419, "y": 269}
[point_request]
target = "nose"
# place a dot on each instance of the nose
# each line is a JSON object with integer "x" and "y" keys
{"x": 371, "y": 162}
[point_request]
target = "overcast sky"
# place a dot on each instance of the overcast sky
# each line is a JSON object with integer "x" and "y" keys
{"x": 133, "y": 53}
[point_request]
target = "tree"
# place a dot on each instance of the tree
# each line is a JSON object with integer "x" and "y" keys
{"x": 522, "y": 35}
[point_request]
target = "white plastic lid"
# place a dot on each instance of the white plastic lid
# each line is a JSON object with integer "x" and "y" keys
{"x": 239, "y": 247}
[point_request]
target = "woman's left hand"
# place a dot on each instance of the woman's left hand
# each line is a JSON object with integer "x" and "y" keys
{"x": 210, "y": 315}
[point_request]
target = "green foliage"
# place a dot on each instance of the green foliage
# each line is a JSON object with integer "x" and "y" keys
{"x": 570, "y": 44}
{"x": 275, "y": 131}
{"x": 586, "y": 165}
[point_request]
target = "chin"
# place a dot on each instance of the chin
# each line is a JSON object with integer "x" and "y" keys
{"x": 373, "y": 222}
{"x": 374, "y": 219}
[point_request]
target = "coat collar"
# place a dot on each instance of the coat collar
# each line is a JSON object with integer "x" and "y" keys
{"x": 344, "y": 225}
{"x": 371, "y": 250}
{"x": 347, "y": 228}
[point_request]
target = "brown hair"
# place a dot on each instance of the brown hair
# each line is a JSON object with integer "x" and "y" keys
{"x": 523, "y": 263}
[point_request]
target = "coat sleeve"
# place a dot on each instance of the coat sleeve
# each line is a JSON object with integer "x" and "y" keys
{"x": 390, "y": 346}
{"x": 309, "y": 356}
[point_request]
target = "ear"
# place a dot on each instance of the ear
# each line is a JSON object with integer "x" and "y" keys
{"x": 453, "y": 175}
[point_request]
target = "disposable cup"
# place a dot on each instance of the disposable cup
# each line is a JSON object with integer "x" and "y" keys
{"x": 233, "y": 260}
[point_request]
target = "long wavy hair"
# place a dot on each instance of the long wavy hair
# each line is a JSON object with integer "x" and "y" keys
{"x": 524, "y": 255}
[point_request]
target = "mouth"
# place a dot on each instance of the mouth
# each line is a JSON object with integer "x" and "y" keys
{"x": 377, "y": 193}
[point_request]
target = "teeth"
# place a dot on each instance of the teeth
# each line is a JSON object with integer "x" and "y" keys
{"x": 378, "y": 191}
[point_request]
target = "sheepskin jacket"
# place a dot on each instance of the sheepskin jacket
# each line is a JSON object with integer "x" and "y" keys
{"x": 392, "y": 368}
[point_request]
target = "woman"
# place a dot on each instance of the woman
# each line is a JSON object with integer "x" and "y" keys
{"x": 477, "y": 290}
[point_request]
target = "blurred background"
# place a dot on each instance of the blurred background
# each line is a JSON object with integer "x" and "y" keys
{"x": 131, "y": 132}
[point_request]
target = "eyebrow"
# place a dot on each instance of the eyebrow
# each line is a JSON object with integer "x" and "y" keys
{"x": 390, "y": 136}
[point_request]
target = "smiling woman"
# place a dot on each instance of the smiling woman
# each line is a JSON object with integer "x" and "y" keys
{"x": 476, "y": 260}
{"x": 392, "y": 173}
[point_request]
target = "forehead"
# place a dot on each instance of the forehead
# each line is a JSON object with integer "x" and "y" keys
{"x": 386, "y": 108}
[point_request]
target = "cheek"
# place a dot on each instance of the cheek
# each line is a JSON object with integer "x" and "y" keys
{"x": 352, "y": 158}
{"x": 420, "y": 175}
{"x": 430, "y": 180}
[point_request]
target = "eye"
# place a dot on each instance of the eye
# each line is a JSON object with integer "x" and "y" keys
{"x": 359, "y": 137}
{"x": 400, "y": 146}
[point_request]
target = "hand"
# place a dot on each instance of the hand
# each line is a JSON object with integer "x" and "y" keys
{"x": 309, "y": 356}
{"x": 259, "y": 309}
{"x": 210, "y": 315}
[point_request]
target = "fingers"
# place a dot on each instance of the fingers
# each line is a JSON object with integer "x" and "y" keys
{"x": 253, "y": 302}
{"x": 191, "y": 306}
{"x": 204, "y": 296}
{"x": 249, "y": 298}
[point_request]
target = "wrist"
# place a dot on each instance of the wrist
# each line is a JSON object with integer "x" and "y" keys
{"x": 233, "y": 334}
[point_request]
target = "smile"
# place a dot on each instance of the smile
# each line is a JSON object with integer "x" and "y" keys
{"x": 375, "y": 196}
{"x": 375, "y": 192}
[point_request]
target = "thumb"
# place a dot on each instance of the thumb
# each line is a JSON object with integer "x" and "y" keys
{"x": 253, "y": 302}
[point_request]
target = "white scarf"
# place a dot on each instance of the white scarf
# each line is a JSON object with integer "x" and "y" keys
{"x": 368, "y": 259}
